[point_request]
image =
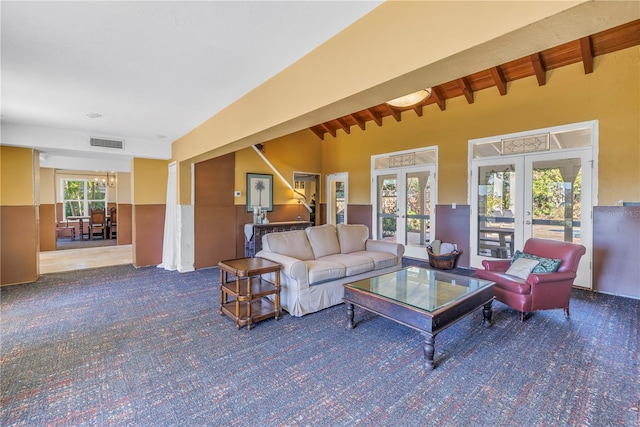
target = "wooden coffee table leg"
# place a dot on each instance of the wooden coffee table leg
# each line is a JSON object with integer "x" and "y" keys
{"x": 486, "y": 313}
{"x": 429, "y": 350}
{"x": 350, "y": 323}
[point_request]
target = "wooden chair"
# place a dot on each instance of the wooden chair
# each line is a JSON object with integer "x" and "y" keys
{"x": 67, "y": 230}
{"x": 97, "y": 223}
{"x": 113, "y": 223}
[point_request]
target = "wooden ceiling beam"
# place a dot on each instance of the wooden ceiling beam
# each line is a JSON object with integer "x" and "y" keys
{"x": 587, "y": 55}
{"x": 581, "y": 50}
{"x": 436, "y": 93}
{"x": 466, "y": 89}
{"x": 538, "y": 68}
{"x": 498, "y": 78}
{"x": 396, "y": 114}
{"x": 344, "y": 125}
{"x": 317, "y": 132}
{"x": 376, "y": 117}
{"x": 329, "y": 129}
{"x": 359, "y": 121}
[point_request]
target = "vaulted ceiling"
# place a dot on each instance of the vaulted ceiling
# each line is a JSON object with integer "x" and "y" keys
{"x": 537, "y": 64}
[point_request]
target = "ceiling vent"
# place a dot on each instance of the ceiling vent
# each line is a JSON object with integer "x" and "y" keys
{"x": 107, "y": 143}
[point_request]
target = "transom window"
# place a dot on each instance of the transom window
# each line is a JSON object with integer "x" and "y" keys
{"x": 82, "y": 195}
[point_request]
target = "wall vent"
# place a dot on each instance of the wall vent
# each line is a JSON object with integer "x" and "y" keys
{"x": 107, "y": 143}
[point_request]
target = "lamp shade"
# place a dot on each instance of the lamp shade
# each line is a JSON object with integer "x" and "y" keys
{"x": 411, "y": 99}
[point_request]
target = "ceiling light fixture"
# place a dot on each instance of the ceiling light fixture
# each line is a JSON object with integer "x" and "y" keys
{"x": 411, "y": 99}
{"x": 94, "y": 115}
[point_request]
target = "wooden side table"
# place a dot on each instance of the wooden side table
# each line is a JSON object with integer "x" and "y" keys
{"x": 242, "y": 297}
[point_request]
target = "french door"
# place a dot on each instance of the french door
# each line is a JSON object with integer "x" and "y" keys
{"x": 546, "y": 195}
{"x": 404, "y": 202}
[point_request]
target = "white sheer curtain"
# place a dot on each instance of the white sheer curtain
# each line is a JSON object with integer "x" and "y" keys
{"x": 170, "y": 243}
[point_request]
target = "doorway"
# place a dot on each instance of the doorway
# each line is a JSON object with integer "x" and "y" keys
{"x": 337, "y": 198}
{"x": 539, "y": 185}
{"x": 307, "y": 186}
{"x": 404, "y": 197}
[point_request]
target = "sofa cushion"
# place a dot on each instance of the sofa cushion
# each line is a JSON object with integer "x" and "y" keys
{"x": 380, "y": 259}
{"x": 545, "y": 265}
{"x": 290, "y": 243}
{"x": 352, "y": 237}
{"x": 522, "y": 267}
{"x": 323, "y": 271}
{"x": 323, "y": 240}
{"x": 354, "y": 264}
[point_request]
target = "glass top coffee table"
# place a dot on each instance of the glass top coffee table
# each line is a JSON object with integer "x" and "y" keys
{"x": 423, "y": 299}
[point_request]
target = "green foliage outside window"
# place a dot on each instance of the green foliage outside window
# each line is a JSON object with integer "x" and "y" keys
{"x": 81, "y": 195}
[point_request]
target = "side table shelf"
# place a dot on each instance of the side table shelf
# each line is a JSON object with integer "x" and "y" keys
{"x": 242, "y": 297}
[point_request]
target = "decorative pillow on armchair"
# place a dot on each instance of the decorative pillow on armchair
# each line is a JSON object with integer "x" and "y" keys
{"x": 545, "y": 265}
{"x": 522, "y": 267}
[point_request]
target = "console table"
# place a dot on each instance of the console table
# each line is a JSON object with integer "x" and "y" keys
{"x": 253, "y": 233}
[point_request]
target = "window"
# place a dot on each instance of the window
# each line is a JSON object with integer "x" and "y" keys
{"x": 82, "y": 195}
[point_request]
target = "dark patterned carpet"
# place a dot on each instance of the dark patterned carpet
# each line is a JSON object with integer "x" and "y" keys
{"x": 120, "y": 346}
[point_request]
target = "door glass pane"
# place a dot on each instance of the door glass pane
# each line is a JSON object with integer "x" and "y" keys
{"x": 337, "y": 207}
{"x": 556, "y": 200}
{"x": 418, "y": 208}
{"x": 387, "y": 207}
{"x": 496, "y": 210}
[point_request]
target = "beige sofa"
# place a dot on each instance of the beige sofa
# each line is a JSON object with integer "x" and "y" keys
{"x": 316, "y": 262}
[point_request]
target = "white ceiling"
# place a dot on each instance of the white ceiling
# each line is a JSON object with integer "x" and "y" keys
{"x": 153, "y": 70}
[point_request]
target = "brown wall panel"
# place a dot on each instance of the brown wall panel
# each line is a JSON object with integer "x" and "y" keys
{"x": 59, "y": 215}
{"x": 616, "y": 250}
{"x": 214, "y": 238}
{"x": 47, "y": 227}
{"x": 18, "y": 244}
{"x": 214, "y": 181}
{"x": 148, "y": 221}
{"x": 125, "y": 224}
{"x": 214, "y": 211}
{"x": 360, "y": 214}
{"x": 452, "y": 226}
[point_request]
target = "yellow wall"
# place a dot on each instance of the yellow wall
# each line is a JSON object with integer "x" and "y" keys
{"x": 17, "y": 176}
{"x": 611, "y": 94}
{"x": 149, "y": 181}
{"x": 47, "y": 186}
{"x": 297, "y": 152}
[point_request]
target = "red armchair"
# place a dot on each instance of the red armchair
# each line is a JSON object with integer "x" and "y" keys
{"x": 539, "y": 291}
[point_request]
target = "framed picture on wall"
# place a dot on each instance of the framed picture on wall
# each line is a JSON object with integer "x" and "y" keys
{"x": 259, "y": 191}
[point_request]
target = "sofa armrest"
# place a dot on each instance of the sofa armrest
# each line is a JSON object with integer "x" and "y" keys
{"x": 501, "y": 265}
{"x": 535, "y": 278}
{"x": 292, "y": 267}
{"x": 381, "y": 246}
